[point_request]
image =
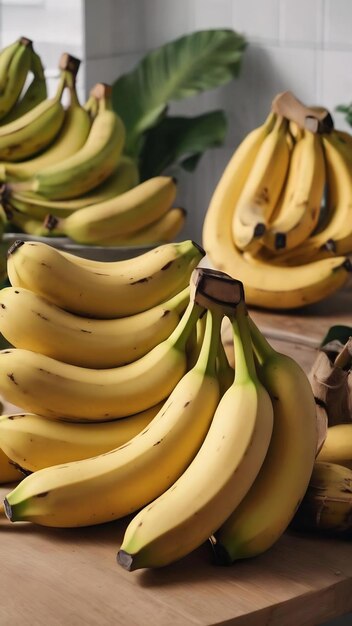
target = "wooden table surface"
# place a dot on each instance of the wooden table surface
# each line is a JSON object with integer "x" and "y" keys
{"x": 70, "y": 576}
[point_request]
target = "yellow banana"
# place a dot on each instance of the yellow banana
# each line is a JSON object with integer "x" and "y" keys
{"x": 40, "y": 384}
{"x": 302, "y": 198}
{"x": 73, "y": 134}
{"x": 34, "y": 130}
{"x": 31, "y": 322}
{"x": 30, "y": 225}
{"x": 119, "y": 482}
{"x": 327, "y": 504}
{"x": 124, "y": 178}
{"x": 266, "y": 284}
{"x": 337, "y": 447}
{"x": 122, "y": 215}
{"x": 335, "y": 233}
{"x": 219, "y": 476}
{"x": 33, "y": 442}
{"x": 262, "y": 188}
{"x": 16, "y": 67}
{"x": 163, "y": 230}
{"x": 267, "y": 509}
{"x": 35, "y": 93}
{"x": 103, "y": 289}
{"x": 90, "y": 165}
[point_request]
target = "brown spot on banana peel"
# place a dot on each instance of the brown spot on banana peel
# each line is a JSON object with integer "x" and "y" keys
{"x": 141, "y": 280}
{"x": 44, "y": 494}
{"x": 16, "y": 244}
{"x": 166, "y": 266}
{"x": 16, "y": 416}
{"x": 12, "y": 378}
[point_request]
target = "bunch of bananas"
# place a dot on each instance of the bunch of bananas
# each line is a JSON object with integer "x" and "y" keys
{"x": 280, "y": 216}
{"x": 63, "y": 167}
{"x": 202, "y": 452}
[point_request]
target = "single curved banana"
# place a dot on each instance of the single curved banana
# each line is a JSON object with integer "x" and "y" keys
{"x": 335, "y": 233}
{"x": 18, "y": 65}
{"x": 103, "y": 289}
{"x": 35, "y": 93}
{"x": 31, "y": 322}
{"x": 119, "y": 482}
{"x": 327, "y": 504}
{"x": 337, "y": 447}
{"x": 262, "y": 187}
{"x": 266, "y": 284}
{"x": 302, "y": 198}
{"x": 6, "y": 57}
{"x": 40, "y": 384}
{"x": 163, "y": 230}
{"x": 93, "y": 163}
{"x": 123, "y": 178}
{"x": 122, "y": 215}
{"x": 72, "y": 136}
{"x": 190, "y": 511}
{"x": 33, "y": 442}
{"x": 9, "y": 473}
{"x": 267, "y": 509}
{"x": 34, "y": 130}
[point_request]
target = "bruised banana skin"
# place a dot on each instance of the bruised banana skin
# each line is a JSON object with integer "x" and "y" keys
{"x": 100, "y": 289}
{"x": 34, "y": 442}
{"x": 124, "y": 214}
{"x": 45, "y": 386}
{"x": 192, "y": 509}
{"x": 31, "y": 322}
{"x": 112, "y": 485}
{"x": 267, "y": 509}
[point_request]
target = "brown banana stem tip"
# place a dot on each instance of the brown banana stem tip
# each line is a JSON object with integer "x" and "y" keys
{"x": 101, "y": 91}
{"x": 16, "y": 244}
{"x": 125, "y": 560}
{"x": 26, "y": 42}
{"x": 69, "y": 63}
{"x": 50, "y": 222}
{"x": 210, "y": 286}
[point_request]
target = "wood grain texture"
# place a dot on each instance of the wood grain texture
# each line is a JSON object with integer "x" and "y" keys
{"x": 70, "y": 576}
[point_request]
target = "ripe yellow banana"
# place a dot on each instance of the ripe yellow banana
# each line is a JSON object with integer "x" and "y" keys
{"x": 262, "y": 188}
{"x": 33, "y": 442}
{"x": 34, "y": 130}
{"x": 90, "y": 165}
{"x": 72, "y": 136}
{"x": 337, "y": 447}
{"x": 35, "y": 93}
{"x": 103, "y": 289}
{"x": 124, "y": 178}
{"x": 9, "y": 473}
{"x": 40, "y": 384}
{"x": 267, "y": 509}
{"x": 117, "y": 483}
{"x": 219, "y": 476}
{"x": 16, "y": 67}
{"x": 266, "y": 284}
{"x": 31, "y": 322}
{"x": 122, "y": 215}
{"x": 335, "y": 233}
{"x": 302, "y": 198}
{"x": 163, "y": 230}
{"x": 327, "y": 504}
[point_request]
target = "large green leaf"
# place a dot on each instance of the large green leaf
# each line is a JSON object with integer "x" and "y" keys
{"x": 180, "y": 140}
{"x": 179, "y": 69}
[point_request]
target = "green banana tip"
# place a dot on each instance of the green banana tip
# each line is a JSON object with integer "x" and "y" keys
{"x": 125, "y": 560}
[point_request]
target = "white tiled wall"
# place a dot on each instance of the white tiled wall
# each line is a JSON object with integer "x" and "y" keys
{"x": 302, "y": 45}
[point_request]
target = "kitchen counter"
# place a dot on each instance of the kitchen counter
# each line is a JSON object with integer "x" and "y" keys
{"x": 70, "y": 576}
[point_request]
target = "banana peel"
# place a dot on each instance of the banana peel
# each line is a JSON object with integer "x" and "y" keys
{"x": 331, "y": 377}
